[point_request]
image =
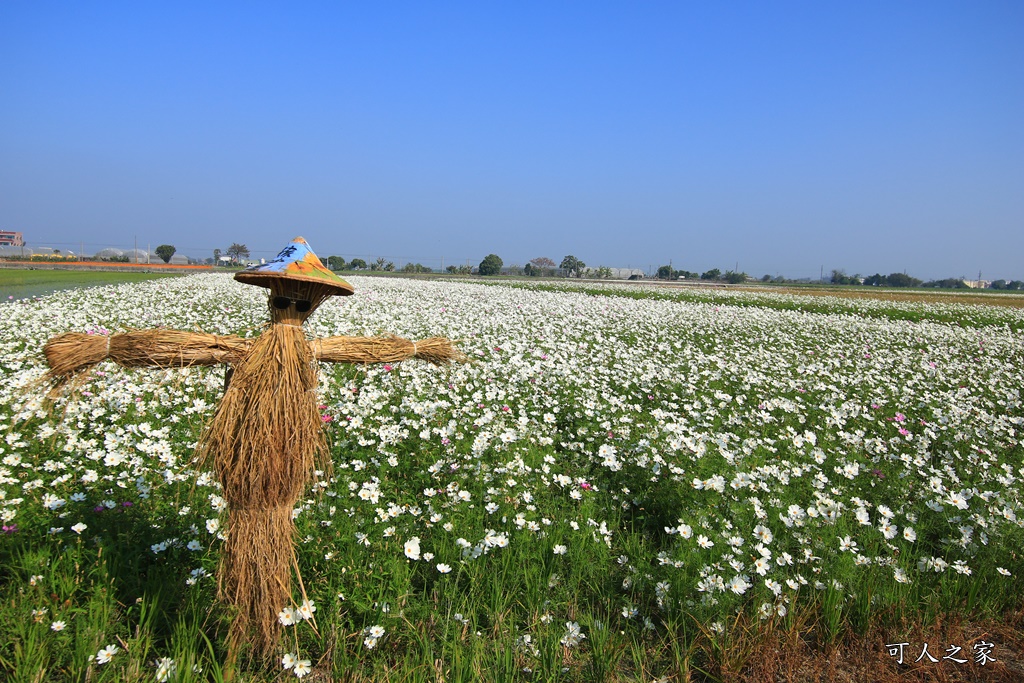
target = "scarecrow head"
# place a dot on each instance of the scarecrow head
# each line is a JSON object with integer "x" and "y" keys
{"x": 297, "y": 282}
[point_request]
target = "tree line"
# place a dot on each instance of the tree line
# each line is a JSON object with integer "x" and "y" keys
{"x": 571, "y": 266}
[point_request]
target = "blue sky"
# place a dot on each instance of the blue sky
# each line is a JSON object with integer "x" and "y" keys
{"x": 780, "y": 137}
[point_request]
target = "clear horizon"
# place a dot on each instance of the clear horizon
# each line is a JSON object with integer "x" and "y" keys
{"x": 784, "y": 139}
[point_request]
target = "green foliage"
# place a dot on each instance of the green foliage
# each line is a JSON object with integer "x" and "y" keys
{"x": 165, "y": 252}
{"x": 949, "y": 283}
{"x": 839, "y": 277}
{"x": 573, "y": 267}
{"x": 357, "y": 264}
{"x": 491, "y": 265}
{"x": 712, "y": 274}
{"x": 892, "y": 280}
{"x": 335, "y": 263}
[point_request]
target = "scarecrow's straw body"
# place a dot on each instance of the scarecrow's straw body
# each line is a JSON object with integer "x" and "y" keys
{"x": 265, "y": 442}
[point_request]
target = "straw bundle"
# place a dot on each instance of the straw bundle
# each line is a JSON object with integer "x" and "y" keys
{"x": 70, "y": 353}
{"x": 436, "y": 350}
{"x": 265, "y": 442}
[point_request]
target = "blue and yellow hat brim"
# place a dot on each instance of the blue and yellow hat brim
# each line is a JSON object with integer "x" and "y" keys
{"x": 295, "y": 262}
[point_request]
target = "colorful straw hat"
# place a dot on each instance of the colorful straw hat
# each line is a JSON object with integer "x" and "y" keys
{"x": 295, "y": 262}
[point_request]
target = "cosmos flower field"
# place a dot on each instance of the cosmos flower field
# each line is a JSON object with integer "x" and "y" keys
{"x": 614, "y": 484}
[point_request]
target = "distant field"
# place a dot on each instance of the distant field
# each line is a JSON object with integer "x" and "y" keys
{"x": 24, "y": 284}
{"x": 987, "y": 297}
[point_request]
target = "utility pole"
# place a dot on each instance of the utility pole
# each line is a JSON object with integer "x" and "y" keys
{"x": 136, "y": 250}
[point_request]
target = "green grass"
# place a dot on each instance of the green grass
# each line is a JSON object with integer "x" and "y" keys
{"x": 23, "y": 284}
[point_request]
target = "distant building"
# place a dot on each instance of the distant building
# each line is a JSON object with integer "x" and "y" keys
{"x": 627, "y": 273}
{"x": 978, "y": 284}
{"x": 9, "y": 238}
{"x": 109, "y": 254}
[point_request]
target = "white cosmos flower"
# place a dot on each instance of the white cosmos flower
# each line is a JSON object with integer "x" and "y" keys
{"x": 106, "y": 654}
{"x": 739, "y": 584}
{"x": 412, "y": 548}
{"x": 302, "y": 667}
{"x": 305, "y": 610}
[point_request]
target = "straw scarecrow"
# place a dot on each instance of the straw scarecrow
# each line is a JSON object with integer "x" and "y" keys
{"x": 265, "y": 440}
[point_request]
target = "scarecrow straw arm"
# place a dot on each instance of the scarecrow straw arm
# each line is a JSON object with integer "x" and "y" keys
{"x": 70, "y": 353}
{"x": 436, "y": 350}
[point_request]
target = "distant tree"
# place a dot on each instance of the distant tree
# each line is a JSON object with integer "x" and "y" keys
{"x": 948, "y": 283}
{"x": 165, "y": 252}
{"x": 357, "y": 264}
{"x": 876, "y": 280}
{"x": 604, "y": 273}
{"x": 238, "y": 251}
{"x": 732, "y": 277}
{"x": 766, "y": 278}
{"x": 491, "y": 265}
{"x": 335, "y": 263}
{"x": 514, "y": 269}
{"x": 902, "y": 280}
{"x": 998, "y": 284}
{"x": 573, "y": 266}
{"x": 542, "y": 262}
{"x": 664, "y": 272}
{"x": 389, "y": 266}
{"x": 1015, "y": 284}
{"x": 528, "y": 269}
{"x": 216, "y": 256}
{"x": 465, "y": 269}
{"x": 712, "y": 274}
{"x": 686, "y": 275}
{"x": 452, "y": 269}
